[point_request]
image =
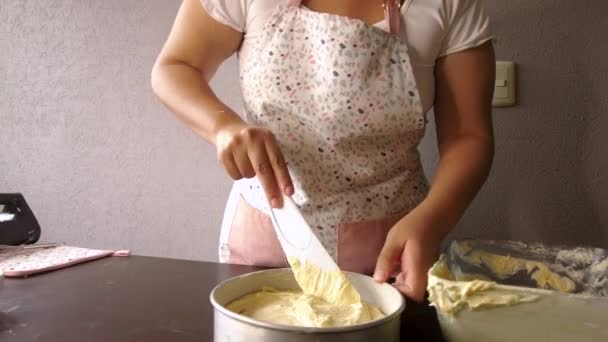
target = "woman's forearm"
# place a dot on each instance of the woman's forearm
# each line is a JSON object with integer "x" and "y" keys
{"x": 463, "y": 117}
{"x": 197, "y": 46}
{"x": 186, "y": 92}
{"x": 463, "y": 168}
{"x": 245, "y": 151}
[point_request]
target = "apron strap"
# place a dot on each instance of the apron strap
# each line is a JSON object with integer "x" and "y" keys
{"x": 391, "y": 13}
{"x": 294, "y": 3}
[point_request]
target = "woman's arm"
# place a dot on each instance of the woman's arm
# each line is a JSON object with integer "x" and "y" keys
{"x": 464, "y": 89}
{"x": 196, "y": 47}
{"x": 463, "y": 115}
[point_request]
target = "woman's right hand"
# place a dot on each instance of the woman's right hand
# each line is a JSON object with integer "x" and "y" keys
{"x": 246, "y": 151}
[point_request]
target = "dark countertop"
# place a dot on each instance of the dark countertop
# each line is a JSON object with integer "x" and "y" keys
{"x": 135, "y": 299}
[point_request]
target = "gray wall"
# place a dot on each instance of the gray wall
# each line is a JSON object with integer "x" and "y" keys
{"x": 550, "y": 178}
{"x": 104, "y": 165}
{"x": 82, "y": 136}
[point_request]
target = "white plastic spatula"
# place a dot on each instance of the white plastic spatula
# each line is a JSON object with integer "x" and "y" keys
{"x": 297, "y": 238}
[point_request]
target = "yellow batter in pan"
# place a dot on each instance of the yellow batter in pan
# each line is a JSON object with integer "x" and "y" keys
{"x": 327, "y": 299}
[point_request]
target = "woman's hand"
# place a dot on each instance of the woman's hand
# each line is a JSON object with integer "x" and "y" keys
{"x": 247, "y": 151}
{"x": 412, "y": 245}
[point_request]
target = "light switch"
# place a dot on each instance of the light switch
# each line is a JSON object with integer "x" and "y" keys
{"x": 504, "y": 86}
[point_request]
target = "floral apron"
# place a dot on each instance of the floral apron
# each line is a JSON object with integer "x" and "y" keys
{"x": 341, "y": 99}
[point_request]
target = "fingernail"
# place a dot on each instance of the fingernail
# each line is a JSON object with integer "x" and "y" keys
{"x": 379, "y": 276}
{"x": 274, "y": 202}
{"x": 289, "y": 190}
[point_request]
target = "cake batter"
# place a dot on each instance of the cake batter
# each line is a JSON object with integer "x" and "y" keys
{"x": 450, "y": 296}
{"x": 454, "y": 285}
{"x": 504, "y": 266}
{"x": 327, "y": 299}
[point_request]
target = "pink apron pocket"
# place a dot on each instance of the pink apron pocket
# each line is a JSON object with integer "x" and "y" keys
{"x": 360, "y": 243}
{"x": 252, "y": 239}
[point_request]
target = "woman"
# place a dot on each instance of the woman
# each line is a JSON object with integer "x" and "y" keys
{"x": 335, "y": 99}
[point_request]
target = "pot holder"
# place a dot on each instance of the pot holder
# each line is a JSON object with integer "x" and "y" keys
{"x": 32, "y": 262}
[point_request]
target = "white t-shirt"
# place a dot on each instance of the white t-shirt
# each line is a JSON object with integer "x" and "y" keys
{"x": 432, "y": 29}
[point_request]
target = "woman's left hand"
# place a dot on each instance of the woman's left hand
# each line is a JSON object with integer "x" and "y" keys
{"x": 412, "y": 245}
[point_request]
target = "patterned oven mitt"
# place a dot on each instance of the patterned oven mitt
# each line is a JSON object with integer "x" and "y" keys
{"x": 27, "y": 263}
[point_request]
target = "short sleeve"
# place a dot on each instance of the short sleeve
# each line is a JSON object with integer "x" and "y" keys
{"x": 467, "y": 26}
{"x": 232, "y": 13}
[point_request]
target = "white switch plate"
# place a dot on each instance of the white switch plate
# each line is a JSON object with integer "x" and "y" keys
{"x": 504, "y": 87}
